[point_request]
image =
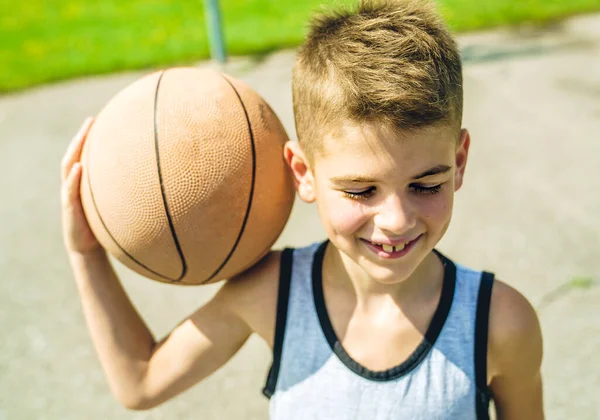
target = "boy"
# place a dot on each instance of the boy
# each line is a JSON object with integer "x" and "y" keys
{"x": 373, "y": 323}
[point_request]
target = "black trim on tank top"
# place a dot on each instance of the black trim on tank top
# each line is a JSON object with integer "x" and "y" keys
{"x": 422, "y": 350}
{"x": 285, "y": 276}
{"x": 482, "y": 392}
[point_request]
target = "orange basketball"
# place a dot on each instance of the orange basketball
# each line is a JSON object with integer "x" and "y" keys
{"x": 183, "y": 176}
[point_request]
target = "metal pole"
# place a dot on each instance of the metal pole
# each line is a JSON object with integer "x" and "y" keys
{"x": 215, "y": 30}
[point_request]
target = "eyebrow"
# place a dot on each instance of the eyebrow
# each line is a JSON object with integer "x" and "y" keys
{"x": 440, "y": 169}
{"x": 352, "y": 178}
{"x": 359, "y": 179}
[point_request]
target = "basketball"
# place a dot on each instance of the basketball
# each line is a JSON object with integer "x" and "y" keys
{"x": 184, "y": 179}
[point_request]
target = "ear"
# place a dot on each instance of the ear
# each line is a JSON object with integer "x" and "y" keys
{"x": 301, "y": 171}
{"x": 462, "y": 153}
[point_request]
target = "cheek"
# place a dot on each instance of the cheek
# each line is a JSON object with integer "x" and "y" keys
{"x": 437, "y": 210}
{"x": 343, "y": 215}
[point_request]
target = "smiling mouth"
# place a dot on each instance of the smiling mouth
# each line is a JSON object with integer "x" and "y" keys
{"x": 392, "y": 251}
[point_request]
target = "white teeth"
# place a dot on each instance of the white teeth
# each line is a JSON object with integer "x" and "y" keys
{"x": 390, "y": 248}
{"x": 387, "y": 248}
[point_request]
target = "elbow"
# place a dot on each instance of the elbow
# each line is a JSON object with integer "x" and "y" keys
{"x": 133, "y": 394}
{"x": 136, "y": 402}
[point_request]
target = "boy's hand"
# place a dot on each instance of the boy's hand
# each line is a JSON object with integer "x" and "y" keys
{"x": 77, "y": 234}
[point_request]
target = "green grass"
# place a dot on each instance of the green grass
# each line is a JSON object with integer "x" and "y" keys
{"x": 48, "y": 40}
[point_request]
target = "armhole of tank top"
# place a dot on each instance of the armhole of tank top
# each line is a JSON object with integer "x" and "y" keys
{"x": 482, "y": 393}
{"x": 285, "y": 277}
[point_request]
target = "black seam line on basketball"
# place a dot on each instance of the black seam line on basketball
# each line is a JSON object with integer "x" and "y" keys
{"x": 89, "y": 179}
{"x": 237, "y": 241}
{"x": 113, "y": 238}
{"x": 162, "y": 186}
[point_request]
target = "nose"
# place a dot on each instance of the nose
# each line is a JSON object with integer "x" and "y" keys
{"x": 395, "y": 215}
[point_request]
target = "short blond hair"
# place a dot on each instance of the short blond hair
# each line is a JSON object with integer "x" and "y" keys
{"x": 392, "y": 62}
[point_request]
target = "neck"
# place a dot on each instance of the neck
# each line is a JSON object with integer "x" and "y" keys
{"x": 345, "y": 275}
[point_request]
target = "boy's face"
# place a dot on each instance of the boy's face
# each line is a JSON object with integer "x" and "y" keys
{"x": 376, "y": 188}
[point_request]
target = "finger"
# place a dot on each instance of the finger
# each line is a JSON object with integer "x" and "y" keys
{"x": 73, "y": 153}
{"x": 72, "y": 184}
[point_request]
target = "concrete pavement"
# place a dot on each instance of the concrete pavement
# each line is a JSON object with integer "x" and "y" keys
{"x": 528, "y": 211}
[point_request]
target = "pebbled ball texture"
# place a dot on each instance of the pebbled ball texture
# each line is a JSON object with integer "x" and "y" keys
{"x": 183, "y": 176}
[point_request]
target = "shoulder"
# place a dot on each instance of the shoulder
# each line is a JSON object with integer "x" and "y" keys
{"x": 252, "y": 295}
{"x": 515, "y": 338}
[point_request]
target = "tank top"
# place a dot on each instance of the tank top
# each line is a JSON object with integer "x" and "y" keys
{"x": 313, "y": 377}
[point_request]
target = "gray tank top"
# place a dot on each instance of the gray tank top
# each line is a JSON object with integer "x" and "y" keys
{"x": 312, "y": 376}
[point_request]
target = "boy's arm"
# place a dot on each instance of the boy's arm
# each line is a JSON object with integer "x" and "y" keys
{"x": 514, "y": 356}
{"x": 207, "y": 339}
{"x": 142, "y": 373}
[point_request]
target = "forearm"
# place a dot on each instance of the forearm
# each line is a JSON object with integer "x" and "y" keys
{"x": 123, "y": 342}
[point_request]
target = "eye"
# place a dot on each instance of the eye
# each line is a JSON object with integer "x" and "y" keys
{"x": 419, "y": 189}
{"x": 359, "y": 195}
